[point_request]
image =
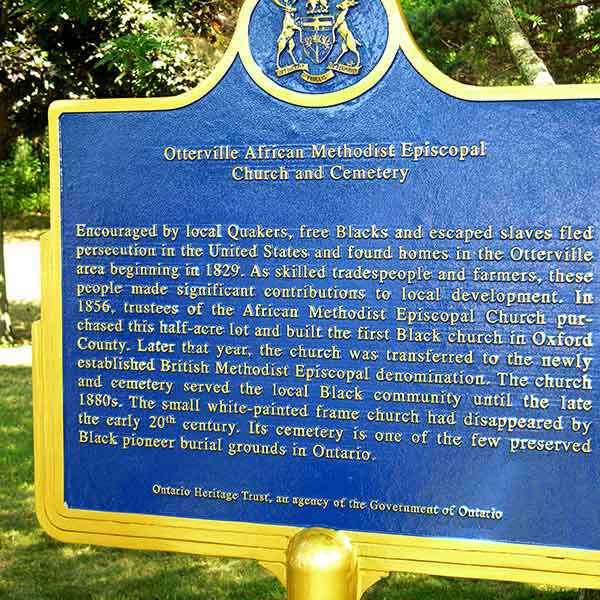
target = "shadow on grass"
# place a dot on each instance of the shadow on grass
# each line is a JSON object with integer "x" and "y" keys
{"x": 26, "y": 227}
{"x": 422, "y": 587}
{"x": 33, "y": 566}
{"x": 23, "y": 315}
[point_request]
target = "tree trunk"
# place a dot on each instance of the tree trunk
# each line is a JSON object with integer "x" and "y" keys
{"x": 531, "y": 66}
{"x": 6, "y": 331}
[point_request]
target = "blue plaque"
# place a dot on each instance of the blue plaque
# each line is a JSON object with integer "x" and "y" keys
{"x": 328, "y": 288}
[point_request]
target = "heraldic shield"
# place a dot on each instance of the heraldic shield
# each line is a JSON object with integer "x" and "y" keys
{"x": 318, "y": 36}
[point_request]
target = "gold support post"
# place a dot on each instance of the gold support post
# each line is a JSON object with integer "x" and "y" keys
{"x": 321, "y": 565}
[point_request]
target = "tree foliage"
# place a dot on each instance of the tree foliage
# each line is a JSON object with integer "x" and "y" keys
{"x": 100, "y": 48}
{"x": 55, "y": 49}
{"x": 460, "y": 38}
{"x": 24, "y": 179}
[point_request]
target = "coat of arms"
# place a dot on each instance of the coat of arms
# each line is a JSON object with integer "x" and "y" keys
{"x": 322, "y": 33}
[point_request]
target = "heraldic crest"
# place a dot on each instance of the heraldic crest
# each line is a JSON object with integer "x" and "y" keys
{"x": 320, "y": 31}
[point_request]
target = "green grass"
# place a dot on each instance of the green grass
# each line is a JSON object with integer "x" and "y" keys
{"x": 26, "y": 227}
{"x": 416, "y": 587}
{"x": 34, "y": 567}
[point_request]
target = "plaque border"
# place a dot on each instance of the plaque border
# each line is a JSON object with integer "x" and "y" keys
{"x": 378, "y": 554}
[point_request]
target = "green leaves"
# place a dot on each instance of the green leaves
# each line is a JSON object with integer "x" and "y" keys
{"x": 148, "y": 61}
{"x": 135, "y": 52}
{"x": 67, "y": 9}
{"x": 51, "y": 49}
{"x": 535, "y": 20}
{"x": 458, "y": 37}
{"x": 152, "y": 56}
{"x": 24, "y": 179}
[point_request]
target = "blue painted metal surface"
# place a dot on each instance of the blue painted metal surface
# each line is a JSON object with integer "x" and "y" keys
{"x": 541, "y": 170}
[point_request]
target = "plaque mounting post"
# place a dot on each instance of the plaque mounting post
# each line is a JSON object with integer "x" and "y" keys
{"x": 321, "y": 565}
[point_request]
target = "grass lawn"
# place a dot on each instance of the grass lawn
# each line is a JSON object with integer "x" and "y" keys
{"x": 34, "y": 567}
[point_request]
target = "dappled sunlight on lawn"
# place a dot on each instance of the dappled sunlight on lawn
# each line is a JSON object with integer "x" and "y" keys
{"x": 33, "y": 566}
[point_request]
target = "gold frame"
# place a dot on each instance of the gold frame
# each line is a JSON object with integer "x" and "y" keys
{"x": 378, "y": 554}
